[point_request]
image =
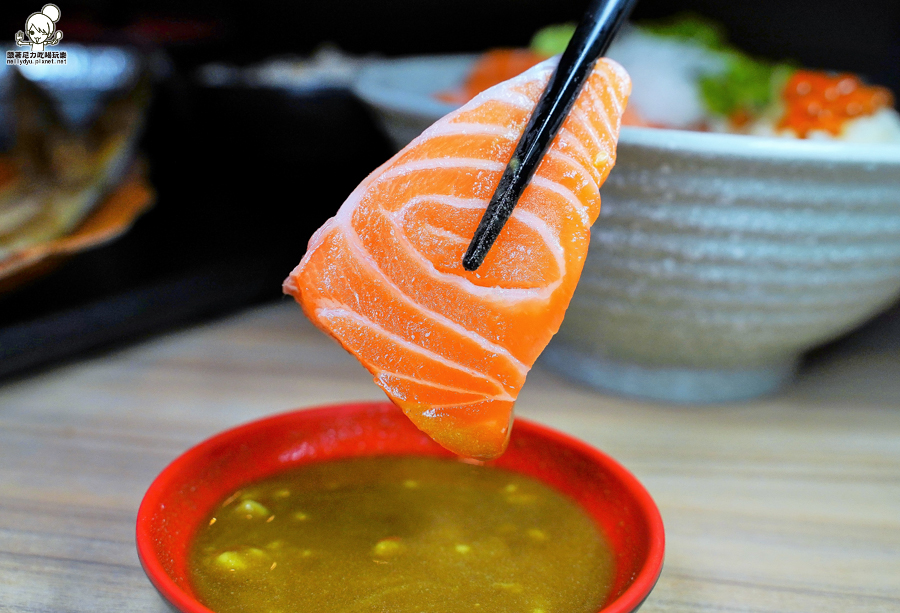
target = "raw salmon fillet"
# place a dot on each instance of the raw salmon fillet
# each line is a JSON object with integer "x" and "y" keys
{"x": 385, "y": 278}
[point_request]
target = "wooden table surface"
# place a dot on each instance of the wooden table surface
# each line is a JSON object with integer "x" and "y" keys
{"x": 788, "y": 504}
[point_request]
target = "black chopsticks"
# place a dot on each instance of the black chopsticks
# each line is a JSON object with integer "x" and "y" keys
{"x": 592, "y": 37}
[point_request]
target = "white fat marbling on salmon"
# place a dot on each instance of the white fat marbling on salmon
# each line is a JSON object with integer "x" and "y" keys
{"x": 490, "y": 166}
{"x": 454, "y": 128}
{"x": 450, "y": 312}
{"x": 568, "y": 139}
{"x": 565, "y": 193}
{"x": 514, "y": 99}
{"x": 333, "y": 310}
{"x": 567, "y": 159}
{"x": 441, "y": 163}
{"x": 384, "y": 378}
{"x": 464, "y": 128}
{"x": 498, "y": 295}
{"x": 445, "y": 234}
{"x": 527, "y": 218}
{"x": 490, "y": 347}
{"x": 598, "y": 111}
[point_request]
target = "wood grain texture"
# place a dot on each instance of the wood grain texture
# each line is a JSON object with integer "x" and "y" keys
{"x": 784, "y": 505}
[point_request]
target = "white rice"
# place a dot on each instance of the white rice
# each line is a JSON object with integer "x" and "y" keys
{"x": 882, "y": 127}
{"x": 663, "y": 76}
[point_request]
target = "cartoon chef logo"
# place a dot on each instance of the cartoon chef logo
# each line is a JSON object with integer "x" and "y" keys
{"x": 41, "y": 29}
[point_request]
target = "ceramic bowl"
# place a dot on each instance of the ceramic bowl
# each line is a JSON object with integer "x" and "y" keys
{"x": 78, "y": 89}
{"x": 189, "y": 488}
{"x": 401, "y": 92}
{"x": 717, "y": 259}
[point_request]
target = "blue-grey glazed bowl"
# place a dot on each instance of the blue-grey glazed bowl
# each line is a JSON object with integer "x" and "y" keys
{"x": 717, "y": 259}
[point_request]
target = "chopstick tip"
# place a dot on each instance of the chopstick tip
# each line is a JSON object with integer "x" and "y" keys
{"x": 472, "y": 262}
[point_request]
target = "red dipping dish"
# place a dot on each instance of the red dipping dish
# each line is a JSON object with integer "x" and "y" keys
{"x": 188, "y": 489}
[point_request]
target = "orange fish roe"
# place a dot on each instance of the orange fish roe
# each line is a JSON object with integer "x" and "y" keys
{"x": 823, "y": 101}
{"x": 493, "y": 67}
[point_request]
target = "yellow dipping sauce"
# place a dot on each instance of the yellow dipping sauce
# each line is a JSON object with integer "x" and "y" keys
{"x": 400, "y": 534}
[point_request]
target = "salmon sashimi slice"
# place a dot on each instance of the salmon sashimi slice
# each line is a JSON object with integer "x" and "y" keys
{"x": 385, "y": 278}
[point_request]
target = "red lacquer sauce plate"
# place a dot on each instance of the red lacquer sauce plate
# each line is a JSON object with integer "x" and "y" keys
{"x": 188, "y": 489}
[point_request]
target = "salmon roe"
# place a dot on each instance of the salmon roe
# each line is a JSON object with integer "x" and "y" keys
{"x": 823, "y": 101}
{"x": 493, "y": 67}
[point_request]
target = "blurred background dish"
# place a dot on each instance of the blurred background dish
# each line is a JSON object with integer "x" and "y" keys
{"x": 403, "y": 92}
{"x": 112, "y": 216}
{"x": 221, "y": 157}
{"x": 687, "y": 75}
{"x": 717, "y": 258}
{"x": 73, "y": 135}
{"x": 92, "y": 75}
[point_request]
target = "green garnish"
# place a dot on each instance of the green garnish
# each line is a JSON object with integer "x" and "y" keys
{"x": 747, "y": 85}
{"x": 689, "y": 27}
{"x": 552, "y": 40}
